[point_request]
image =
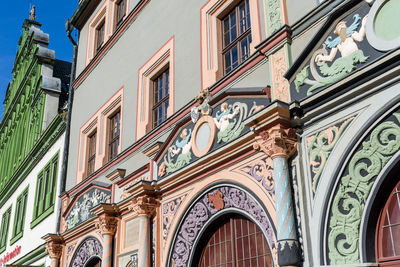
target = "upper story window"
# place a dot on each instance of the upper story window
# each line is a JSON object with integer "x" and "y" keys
{"x": 121, "y": 11}
{"x": 114, "y": 133}
{"x": 19, "y": 219}
{"x": 5, "y": 223}
{"x": 91, "y": 153}
{"x": 160, "y": 97}
{"x": 236, "y": 31}
{"x": 100, "y": 30}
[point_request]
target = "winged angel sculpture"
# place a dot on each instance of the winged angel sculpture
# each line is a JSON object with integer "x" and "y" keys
{"x": 351, "y": 56}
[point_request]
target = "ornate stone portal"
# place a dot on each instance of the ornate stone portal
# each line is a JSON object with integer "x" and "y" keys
{"x": 89, "y": 248}
{"x": 205, "y": 209}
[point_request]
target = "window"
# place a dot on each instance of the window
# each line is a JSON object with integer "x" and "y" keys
{"x": 160, "y": 97}
{"x": 5, "y": 222}
{"x": 236, "y": 36}
{"x": 45, "y": 191}
{"x": 91, "y": 153}
{"x": 100, "y": 137}
{"x": 100, "y": 36}
{"x": 156, "y": 89}
{"x": 114, "y": 132}
{"x": 121, "y": 11}
{"x": 230, "y": 30}
{"x": 19, "y": 219}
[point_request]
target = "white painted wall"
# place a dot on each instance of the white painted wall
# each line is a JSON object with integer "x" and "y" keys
{"x": 32, "y": 238}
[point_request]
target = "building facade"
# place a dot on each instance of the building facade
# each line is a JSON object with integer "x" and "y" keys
{"x": 227, "y": 133}
{"x": 32, "y": 138}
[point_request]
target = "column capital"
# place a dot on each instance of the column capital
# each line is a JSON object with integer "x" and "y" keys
{"x": 55, "y": 244}
{"x": 277, "y": 141}
{"x": 144, "y": 205}
{"x": 107, "y": 224}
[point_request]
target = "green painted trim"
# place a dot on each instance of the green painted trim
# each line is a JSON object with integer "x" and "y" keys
{"x": 33, "y": 256}
{"x": 46, "y": 186}
{"x": 19, "y": 216}
{"x": 274, "y": 20}
{"x": 5, "y": 229}
{"x": 47, "y": 139}
{"x": 16, "y": 238}
{"x": 43, "y": 216}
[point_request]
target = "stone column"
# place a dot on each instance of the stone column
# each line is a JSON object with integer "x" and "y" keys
{"x": 54, "y": 248}
{"x": 145, "y": 207}
{"x": 280, "y": 143}
{"x": 107, "y": 223}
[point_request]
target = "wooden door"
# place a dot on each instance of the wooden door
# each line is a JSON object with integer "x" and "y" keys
{"x": 236, "y": 242}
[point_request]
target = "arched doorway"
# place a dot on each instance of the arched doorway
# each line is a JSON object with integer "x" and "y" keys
{"x": 388, "y": 231}
{"x": 233, "y": 241}
{"x": 94, "y": 262}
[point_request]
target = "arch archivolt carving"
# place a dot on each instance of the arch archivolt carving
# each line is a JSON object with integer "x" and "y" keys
{"x": 87, "y": 248}
{"x": 199, "y": 211}
{"x": 350, "y": 195}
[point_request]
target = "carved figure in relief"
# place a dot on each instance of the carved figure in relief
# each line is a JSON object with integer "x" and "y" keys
{"x": 229, "y": 127}
{"x": 181, "y": 148}
{"x": 351, "y": 56}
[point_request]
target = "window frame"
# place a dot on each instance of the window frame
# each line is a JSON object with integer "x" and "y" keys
{"x": 110, "y": 139}
{"x": 97, "y": 46}
{"x": 226, "y": 48}
{"x": 119, "y": 22}
{"x": 4, "y": 228}
{"x": 46, "y": 189}
{"x": 19, "y": 217}
{"x": 91, "y": 158}
{"x": 155, "y": 122}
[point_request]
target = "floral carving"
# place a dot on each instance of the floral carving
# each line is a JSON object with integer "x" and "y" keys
{"x": 278, "y": 141}
{"x": 354, "y": 189}
{"x": 88, "y": 248}
{"x": 81, "y": 210}
{"x": 274, "y": 16}
{"x": 262, "y": 170}
{"x": 320, "y": 146}
{"x": 144, "y": 206}
{"x": 54, "y": 250}
{"x": 169, "y": 210}
{"x": 279, "y": 66}
{"x": 107, "y": 224}
{"x": 203, "y": 210}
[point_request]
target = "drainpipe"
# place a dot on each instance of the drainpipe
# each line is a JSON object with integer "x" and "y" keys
{"x": 69, "y": 28}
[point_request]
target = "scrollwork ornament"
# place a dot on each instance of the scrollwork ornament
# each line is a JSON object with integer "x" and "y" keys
{"x": 354, "y": 189}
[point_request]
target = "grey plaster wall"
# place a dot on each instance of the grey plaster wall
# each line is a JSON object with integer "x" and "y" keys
{"x": 152, "y": 28}
{"x": 298, "y": 9}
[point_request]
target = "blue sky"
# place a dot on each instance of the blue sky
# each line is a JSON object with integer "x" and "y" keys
{"x": 52, "y": 14}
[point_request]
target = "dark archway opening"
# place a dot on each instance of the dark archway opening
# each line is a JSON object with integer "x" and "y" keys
{"x": 94, "y": 262}
{"x": 232, "y": 240}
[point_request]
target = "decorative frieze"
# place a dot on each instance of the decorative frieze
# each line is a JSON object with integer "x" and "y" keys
{"x": 169, "y": 210}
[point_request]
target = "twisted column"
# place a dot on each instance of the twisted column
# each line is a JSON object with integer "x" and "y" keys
{"x": 280, "y": 143}
{"x": 145, "y": 207}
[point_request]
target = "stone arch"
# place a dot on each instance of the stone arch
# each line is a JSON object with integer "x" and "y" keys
{"x": 352, "y": 190}
{"x": 213, "y": 202}
{"x": 90, "y": 247}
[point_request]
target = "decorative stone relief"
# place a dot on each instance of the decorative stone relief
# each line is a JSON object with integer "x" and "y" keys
{"x": 274, "y": 16}
{"x": 144, "y": 206}
{"x": 263, "y": 171}
{"x": 169, "y": 210}
{"x": 279, "y": 66}
{"x": 87, "y": 249}
{"x": 202, "y": 211}
{"x": 371, "y": 156}
{"x": 81, "y": 210}
{"x": 107, "y": 224}
{"x": 226, "y": 121}
{"x": 320, "y": 146}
